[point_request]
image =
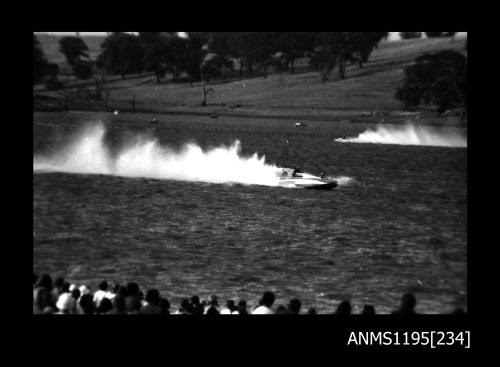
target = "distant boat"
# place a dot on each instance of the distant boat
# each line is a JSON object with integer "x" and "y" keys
{"x": 294, "y": 178}
{"x": 300, "y": 124}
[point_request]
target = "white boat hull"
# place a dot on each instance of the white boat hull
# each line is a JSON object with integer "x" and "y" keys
{"x": 293, "y": 179}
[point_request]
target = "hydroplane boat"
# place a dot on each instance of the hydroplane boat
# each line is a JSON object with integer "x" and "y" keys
{"x": 295, "y": 178}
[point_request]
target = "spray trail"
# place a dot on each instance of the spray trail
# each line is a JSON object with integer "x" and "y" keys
{"x": 146, "y": 158}
{"x": 343, "y": 180}
{"x": 410, "y": 135}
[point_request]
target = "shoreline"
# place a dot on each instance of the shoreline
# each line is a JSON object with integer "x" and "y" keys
{"x": 396, "y": 117}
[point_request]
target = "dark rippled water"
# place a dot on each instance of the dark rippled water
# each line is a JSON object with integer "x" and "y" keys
{"x": 400, "y": 226}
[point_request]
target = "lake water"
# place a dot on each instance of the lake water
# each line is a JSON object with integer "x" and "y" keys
{"x": 399, "y": 223}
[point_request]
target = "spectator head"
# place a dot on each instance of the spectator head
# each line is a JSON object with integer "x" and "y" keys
{"x": 133, "y": 305}
{"x": 153, "y": 297}
{"x": 196, "y": 306}
{"x": 116, "y": 288}
{"x": 165, "y": 306}
{"x": 213, "y": 300}
{"x": 119, "y": 303}
{"x": 123, "y": 291}
{"x": 133, "y": 289}
{"x": 268, "y": 299}
{"x": 43, "y": 298}
{"x": 105, "y": 306}
{"x": 65, "y": 287}
{"x": 242, "y": 307}
{"x": 408, "y": 302}
{"x": 344, "y": 308}
{"x": 66, "y": 303}
{"x": 87, "y": 304}
{"x": 103, "y": 286}
{"x": 45, "y": 281}
{"x": 368, "y": 310}
{"x": 186, "y": 306}
{"x": 231, "y": 305}
{"x": 195, "y": 300}
{"x": 72, "y": 286}
{"x": 84, "y": 290}
{"x": 294, "y": 306}
{"x": 75, "y": 293}
{"x": 312, "y": 311}
{"x": 59, "y": 282}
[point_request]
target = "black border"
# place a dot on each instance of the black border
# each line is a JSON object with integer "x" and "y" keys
{"x": 320, "y": 333}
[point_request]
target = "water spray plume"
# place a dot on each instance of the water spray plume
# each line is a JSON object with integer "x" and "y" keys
{"x": 410, "y": 135}
{"x": 146, "y": 158}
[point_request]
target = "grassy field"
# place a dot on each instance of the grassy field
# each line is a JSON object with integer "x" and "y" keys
{"x": 365, "y": 94}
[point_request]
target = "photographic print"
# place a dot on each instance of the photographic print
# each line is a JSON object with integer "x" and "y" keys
{"x": 244, "y": 173}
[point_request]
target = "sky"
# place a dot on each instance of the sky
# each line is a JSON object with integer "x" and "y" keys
{"x": 392, "y": 35}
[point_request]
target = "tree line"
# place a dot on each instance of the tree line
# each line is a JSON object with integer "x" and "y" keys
{"x": 209, "y": 54}
{"x": 410, "y": 35}
{"x": 435, "y": 78}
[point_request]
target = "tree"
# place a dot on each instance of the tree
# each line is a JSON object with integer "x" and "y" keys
{"x": 264, "y": 49}
{"x": 242, "y": 44}
{"x": 294, "y": 45}
{"x": 73, "y": 48}
{"x": 365, "y": 43}
{"x": 75, "y": 51}
{"x": 324, "y": 61}
{"x": 154, "y": 60}
{"x": 334, "y": 49}
{"x": 39, "y": 62}
{"x": 204, "y": 70}
{"x": 83, "y": 69}
{"x": 183, "y": 53}
{"x": 438, "y": 78}
{"x": 219, "y": 43}
{"x": 433, "y": 34}
{"x": 410, "y": 35}
{"x": 121, "y": 54}
{"x": 156, "y": 52}
{"x": 193, "y": 54}
{"x": 52, "y": 81}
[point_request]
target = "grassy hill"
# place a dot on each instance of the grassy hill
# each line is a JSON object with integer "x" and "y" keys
{"x": 364, "y": 91}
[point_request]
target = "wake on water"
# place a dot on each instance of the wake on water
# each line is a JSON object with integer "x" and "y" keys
{"x": 409, "y": 135}
{"x": 146, "y": 158}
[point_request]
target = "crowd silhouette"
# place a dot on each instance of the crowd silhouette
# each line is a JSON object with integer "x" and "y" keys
{"x": 60, "y": 297}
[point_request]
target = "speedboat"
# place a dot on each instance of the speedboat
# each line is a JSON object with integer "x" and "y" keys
{"x": 297, "y": 179}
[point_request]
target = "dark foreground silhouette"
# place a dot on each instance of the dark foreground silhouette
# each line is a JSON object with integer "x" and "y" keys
{"x": 60, "y": 297}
